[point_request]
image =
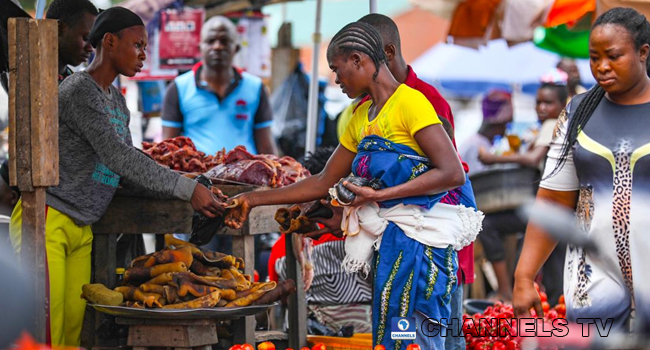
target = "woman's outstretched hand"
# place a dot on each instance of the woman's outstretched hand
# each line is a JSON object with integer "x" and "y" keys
{"x": 237, "y": 212}
{"x": 364, "y": 195}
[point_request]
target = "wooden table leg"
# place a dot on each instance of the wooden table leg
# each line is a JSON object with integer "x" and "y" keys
{"x": 104, "y": 253}
{"x": 297, "y": 301}
{"x": 33, "y": 252}
{"x": 244, "y": 247}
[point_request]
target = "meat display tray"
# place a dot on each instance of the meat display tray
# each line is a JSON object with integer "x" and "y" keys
{"x": 219, "y": 313}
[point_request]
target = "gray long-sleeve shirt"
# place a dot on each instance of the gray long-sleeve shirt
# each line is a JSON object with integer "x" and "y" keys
{"x": 95, "y": 151}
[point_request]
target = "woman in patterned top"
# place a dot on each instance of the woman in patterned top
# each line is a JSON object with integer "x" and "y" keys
{"x": 395, "y": 137}
{"x": 599, "y": 143}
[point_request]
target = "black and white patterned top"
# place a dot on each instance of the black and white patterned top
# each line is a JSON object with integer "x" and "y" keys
{"x": 331, "y": 284}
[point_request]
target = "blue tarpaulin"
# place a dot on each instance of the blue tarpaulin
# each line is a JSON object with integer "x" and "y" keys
{"x": 467, "y": 72}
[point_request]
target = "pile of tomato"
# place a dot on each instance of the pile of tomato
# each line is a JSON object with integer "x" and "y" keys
{"x": 320, "y": 346}
{"x": 482, "y": 332}
{"x": 267, "y": 345}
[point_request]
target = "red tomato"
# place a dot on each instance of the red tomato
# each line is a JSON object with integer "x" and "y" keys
{"x": 319, "y": 346}
{"x": 305, "y": 348}
{"x": 413, "y": 347}
{"x": 545, "y": 306}
{"x": 512, "y": 345}
{"x": 561, "y": 300}
{"x": 536, "y": 286}
{"x": 267, "y": 345}
{"x": 248, "y": 347}
{"x": 543, "y": 296}
{"x": 561, "y": 309}
{"x": 482, "y": 345}
{"x": 552, "y": 314}
{"x": 499, "y": 346}
{"x": 380, "y": 347}
{"x": 235, "y": 347}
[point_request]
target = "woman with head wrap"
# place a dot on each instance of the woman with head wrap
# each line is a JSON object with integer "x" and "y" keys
{"x": 550, "y": 101}
{"x": 96, "y": 154}
{"x": 497, "y": 113}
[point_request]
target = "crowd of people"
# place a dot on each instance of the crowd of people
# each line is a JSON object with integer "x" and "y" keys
{"x": 403, "y": 248}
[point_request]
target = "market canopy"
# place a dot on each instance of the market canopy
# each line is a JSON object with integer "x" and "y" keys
{"x": 560, "y": 26}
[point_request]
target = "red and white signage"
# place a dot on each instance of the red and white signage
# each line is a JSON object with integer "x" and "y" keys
{"x": 180, "y": 38}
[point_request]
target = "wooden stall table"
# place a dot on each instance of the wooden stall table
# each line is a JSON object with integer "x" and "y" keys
{"x": 135, "y": 215}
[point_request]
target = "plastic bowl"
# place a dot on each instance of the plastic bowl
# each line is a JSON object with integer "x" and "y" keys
{"x": 475, "y": 306}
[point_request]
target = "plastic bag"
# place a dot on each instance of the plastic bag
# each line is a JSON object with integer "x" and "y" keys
{"x": 290, "y": 109}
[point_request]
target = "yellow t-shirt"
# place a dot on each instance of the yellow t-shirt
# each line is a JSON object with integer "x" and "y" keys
{"x": 405, "y": 113}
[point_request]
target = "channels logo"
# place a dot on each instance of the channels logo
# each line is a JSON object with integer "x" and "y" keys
{"x": 402, "y": 328}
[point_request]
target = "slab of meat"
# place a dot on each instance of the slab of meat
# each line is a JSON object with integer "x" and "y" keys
{"x": 264, "y": 170}
{"x": 238, "y": 165}
{"x": 180, "y": 154}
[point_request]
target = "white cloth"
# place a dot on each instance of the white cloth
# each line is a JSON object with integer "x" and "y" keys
{"x": 521, "y": 17}
{"x": 441, "y": 226}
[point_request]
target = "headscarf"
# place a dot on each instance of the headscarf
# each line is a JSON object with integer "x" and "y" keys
{"x": 497, "y": 107}
{"x": 112, "y": 20}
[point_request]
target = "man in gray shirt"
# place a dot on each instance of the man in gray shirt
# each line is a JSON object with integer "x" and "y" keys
{"x": 96, "y": 153}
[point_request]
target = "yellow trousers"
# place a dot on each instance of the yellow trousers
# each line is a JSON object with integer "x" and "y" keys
{"x": 68, "y": 248}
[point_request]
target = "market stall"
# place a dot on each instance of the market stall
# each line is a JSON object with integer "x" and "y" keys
{"x": 133, "y": 215}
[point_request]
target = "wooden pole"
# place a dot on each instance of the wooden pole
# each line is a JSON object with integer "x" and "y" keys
{"x": 297, "y": 301}
{"x": 33, "y": 141}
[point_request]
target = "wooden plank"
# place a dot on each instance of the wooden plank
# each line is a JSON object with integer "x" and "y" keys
{"x": 13, "y": 97}
{"x": 297, "y": 301}
{"x": 244, "y": 247}
{"x": 19, "y": 59}
{"x": 43, "y": 45}
{"x": 262, "y": 336}
{"x": 133, "y": 215}
{"x": 172, "y": 336}
{"x": 33, "y": 254}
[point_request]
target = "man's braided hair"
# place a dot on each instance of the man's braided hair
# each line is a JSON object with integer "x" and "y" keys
{"x": 639, "y": 29}
{"x": 361, "y": 37}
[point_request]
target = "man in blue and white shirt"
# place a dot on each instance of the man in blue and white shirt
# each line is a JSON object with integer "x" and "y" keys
{"x": 217, "y": 105}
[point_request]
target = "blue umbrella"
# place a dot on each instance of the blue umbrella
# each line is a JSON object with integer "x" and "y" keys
{"x": 467, "y": 72}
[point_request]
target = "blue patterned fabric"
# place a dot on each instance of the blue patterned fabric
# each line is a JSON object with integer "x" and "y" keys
{"x": 408, "y": 276}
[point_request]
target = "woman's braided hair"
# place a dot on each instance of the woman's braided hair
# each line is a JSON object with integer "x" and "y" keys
{"x": 639, "y": 29}
{"x": 361, "y": 37}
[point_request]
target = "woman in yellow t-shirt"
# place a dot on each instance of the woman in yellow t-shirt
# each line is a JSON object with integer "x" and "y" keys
{"x": 398, "y": 139}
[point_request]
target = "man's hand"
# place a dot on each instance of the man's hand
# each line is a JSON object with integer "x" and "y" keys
{"x": 205, "y": 203}
{"x": 332, "y": 225}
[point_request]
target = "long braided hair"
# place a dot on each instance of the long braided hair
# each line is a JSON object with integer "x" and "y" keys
{"x": 361, "y": 37}
{"x": 639, "y": 29}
